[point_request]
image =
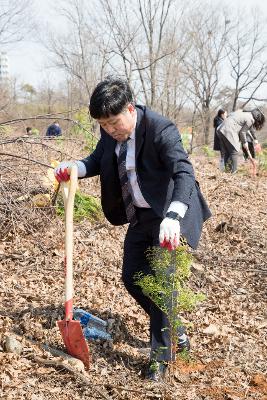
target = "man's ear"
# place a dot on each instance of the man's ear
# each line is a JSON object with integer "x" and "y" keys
{"x": 131, "y": 108}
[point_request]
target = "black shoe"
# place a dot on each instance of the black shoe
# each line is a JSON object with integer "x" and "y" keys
{"x": 183, "y": 344}
{"x": 156, "y": 371}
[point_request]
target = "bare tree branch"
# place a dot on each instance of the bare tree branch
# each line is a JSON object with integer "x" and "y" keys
{"x": 207, "y": 33}
{"x": 26, "y": 158}
{"x": 13, "y": 15}
{"x": 49, "y": 117}
{"x": 247, "y": 57}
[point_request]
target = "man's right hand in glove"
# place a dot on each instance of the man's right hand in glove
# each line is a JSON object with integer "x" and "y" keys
{"x": 62, "y": 171}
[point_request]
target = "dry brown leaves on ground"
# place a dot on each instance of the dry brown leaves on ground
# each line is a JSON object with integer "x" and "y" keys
{"x": 228, "y": 330}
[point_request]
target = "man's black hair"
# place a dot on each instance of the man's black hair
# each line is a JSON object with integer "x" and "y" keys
{"x": 110, "y": 97}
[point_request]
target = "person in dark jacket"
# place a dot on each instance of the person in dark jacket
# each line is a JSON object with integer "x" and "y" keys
{"x": 218, "y": 120}
{"x": 147, "y": 181}
{"x": 54, "y": 129}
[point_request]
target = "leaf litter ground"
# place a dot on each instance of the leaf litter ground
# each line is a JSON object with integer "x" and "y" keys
{"x": 228, "y": 330}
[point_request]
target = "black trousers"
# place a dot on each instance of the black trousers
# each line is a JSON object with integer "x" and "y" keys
{"x": 138, "y": 239}
{"x": 251, "y": 150}
{"x": 230, "y": 153}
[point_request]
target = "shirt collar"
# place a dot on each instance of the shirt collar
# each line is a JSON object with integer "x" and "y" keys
{"x": 132, "y": 135}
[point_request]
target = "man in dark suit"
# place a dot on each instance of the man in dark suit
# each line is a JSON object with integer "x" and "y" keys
{"x": 148, "y": 181}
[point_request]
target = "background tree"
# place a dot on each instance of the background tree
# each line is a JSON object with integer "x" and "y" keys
{"x": 75, "y": 51}
{"x": 13, "y": 29}
{"x": 177, "y": 55}
{"x": 28, "y": 91}
{"x": 15, "y": 20}
{"x": 208, "y": 29}
{"x": 247, "y": 56}
{"x": 141, "y": 35}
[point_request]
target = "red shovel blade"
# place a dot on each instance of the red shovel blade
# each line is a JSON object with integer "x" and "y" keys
{"x": 72, "y": 334}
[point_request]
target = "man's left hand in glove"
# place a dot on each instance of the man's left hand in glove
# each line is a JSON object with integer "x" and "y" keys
{"x": 169, "y": 235}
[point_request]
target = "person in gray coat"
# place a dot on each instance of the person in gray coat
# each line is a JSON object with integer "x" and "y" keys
{"x": 233, "y": 132}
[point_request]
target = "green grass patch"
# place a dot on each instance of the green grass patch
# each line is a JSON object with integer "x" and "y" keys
{"x": 262, "y": 157}
{"x": 5, "y": 130}
{"x": 208, "y": 152}
{"x": 84, "y": 127}
{"x": 85, "y": 206}
{"x": 35, "y": 132}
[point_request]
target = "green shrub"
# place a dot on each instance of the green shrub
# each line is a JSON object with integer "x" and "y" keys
{"x": 85, "y": 206}
{"x": 208, "y": 152}
{"x": 84, "y": 127}
{"x": 262, "y": 157}
{"x": 5, "y": 130}
{"x": 35, "y": 132}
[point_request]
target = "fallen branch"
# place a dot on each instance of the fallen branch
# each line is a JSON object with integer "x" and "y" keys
{"x": 39, "y": 116}
{"x": 82, "y": 375}
{"x": 48, "y": 117}
{"x": 222, "y": 281}
{"x": 26, "y": 158}
{"x": 54, "y": 352}
{"x": 126, "y": 389}
{"x": 79, "y": 375}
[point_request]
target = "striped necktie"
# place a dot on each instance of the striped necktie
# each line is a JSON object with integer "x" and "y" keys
{"x": 126, "y": 194}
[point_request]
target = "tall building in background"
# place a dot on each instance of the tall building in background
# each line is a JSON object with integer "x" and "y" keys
{"x": 4, "y": 66}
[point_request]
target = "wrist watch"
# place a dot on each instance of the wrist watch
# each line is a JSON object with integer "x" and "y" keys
{"x": 173, "y": 215}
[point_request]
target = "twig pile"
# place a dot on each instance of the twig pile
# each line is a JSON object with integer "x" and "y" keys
{"x": 24, "y": 164}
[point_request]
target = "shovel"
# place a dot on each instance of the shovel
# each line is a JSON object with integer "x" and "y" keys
{"x": 71, "y": 331}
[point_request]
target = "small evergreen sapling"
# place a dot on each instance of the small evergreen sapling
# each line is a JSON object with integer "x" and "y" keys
{"x": 167, "y": 286}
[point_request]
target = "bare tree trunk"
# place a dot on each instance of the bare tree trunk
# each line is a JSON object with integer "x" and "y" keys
{"x": 207, "y": 33}
{"x": 206, "y": 125}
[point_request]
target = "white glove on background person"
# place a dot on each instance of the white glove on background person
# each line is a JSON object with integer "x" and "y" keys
{"x": 170, "y": 232}
{"x": 61, "y": 172}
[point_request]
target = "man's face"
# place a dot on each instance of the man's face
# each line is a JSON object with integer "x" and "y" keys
{"x": 120, "y": 126}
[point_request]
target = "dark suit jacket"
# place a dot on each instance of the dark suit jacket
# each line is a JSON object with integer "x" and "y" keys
{"x": 53, "y": 130}
{"x": 164, "y": 174}
{"x": 216, "y": 122}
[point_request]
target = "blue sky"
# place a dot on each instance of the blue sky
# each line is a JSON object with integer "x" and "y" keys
{"x": 29, "y": 60}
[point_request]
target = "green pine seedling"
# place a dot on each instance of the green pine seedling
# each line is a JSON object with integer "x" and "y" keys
{"x": 167, "y": 286}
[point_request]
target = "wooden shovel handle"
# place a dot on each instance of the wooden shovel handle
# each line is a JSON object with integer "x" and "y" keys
{"x": 68, "y": 192}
